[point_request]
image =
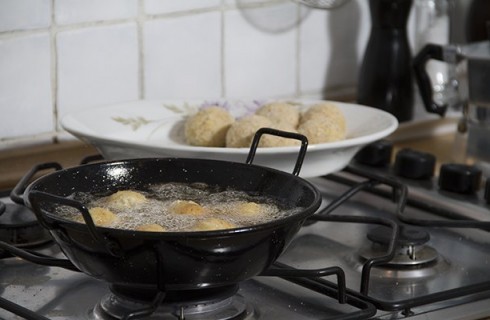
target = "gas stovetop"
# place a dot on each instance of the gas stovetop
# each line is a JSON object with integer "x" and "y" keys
{"x": 33, "y": 291}
{"x": 382, "y": 246}
{"x": 433, "y": 268}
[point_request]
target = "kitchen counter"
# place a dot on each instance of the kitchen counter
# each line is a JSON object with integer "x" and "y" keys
{"x": 15, "y": 163}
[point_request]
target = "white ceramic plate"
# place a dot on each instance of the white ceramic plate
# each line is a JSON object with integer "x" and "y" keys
{"x": 155, "y": 129}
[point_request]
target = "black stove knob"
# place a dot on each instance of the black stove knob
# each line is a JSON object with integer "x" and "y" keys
{"x": 460, "y": 178}
{"x": 414, "y": 164}
{"x": 376, "y": 154}
{"x": 487, "y": 191}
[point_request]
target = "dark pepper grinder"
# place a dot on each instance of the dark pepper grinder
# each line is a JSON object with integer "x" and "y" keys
{"x": 385, "y": 79}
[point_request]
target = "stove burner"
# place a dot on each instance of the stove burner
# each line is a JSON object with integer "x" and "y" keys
{"x": 19, "y": 227}
{"x": 408, "y": 236}
{"x": 414, "y": 258}
{"x": 411, "y": 250}
{"x": 213, "y": 303}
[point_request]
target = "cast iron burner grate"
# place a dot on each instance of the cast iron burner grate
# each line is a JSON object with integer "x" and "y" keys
{"x": 19, "y": 227}
{"x": 213, "y": 303}
{"x": 18, "y": 224}
{"x": 314, "y": 279}
{"x": 437, "y": 220}
{"x": 216, "y": 304}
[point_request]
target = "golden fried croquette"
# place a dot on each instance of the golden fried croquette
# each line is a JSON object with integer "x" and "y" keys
{"x": 241, "y": 132}
{"x": 125, "y": 199}
{"x": 101, "y": 216}
{"x": 213, "y": 224}
{"x": 239, "y": 208}
{"x": 268, "y": 140}
{"x": 208, "y": 127}
{"x": 321, "y": 130}
{"x": 249, "y": 209}
{"x": 324, "y": 110}
{"x": 281, "y": 113}
{"x": 186, "y": 207}
{"x": 151, "y": 227}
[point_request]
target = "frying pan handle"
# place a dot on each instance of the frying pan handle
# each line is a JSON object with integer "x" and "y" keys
{"x": 35, "y": 199}
{"x": 284, "y": 134}
{"x": 16, "y": 195}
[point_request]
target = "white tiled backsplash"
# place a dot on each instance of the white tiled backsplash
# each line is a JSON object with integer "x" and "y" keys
{"x": 57, "y": 56}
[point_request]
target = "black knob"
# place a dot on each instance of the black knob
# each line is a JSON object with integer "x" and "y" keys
{"x": 376, "y": 154}
{"x": 414, "y": 164}
{"x": 460, "y": 178}
{"x": 487, "y": 191}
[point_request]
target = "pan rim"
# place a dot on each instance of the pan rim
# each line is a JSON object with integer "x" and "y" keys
{"x": 302, "y": 215}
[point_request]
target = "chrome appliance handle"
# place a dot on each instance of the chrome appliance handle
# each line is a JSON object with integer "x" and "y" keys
{"x": 430, "y": 51}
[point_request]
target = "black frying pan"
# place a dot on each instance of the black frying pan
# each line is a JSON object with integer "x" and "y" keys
{"x": 172, "y": 260}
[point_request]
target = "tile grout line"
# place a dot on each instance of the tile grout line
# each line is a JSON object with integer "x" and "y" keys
{"x": 52, "y": 31}
{"x": 298, "y": 52}
{"x": 222, "y": 50}
{"x": 140, "y": 20}
{"x": 54, "y": 72}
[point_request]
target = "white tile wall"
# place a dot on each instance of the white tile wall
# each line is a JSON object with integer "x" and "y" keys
{"x": 25, "y": 86}
{"x": 24, "y": 14}
{"x": 183, "y": 57}
{"x": 97, "y": 66}
{"x": 247, "y": 3}
{"x": 57, "y": 56}
{"x": 273, "y": 17}
{"x": 330, "y": 48}
{"x": 77, "y": 11}
{"x": 314, "y": 51}
{"x": 258, "y": 63}
{"x": 168, "y": 6}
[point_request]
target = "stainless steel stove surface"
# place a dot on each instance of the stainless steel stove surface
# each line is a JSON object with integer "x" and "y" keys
{"x": 433, "y": 268}
{"x": 56, "y": 293}
{"x": 33, "y": 291}
{"x": 61, "y": 294}
{"x": 425, "y": 256}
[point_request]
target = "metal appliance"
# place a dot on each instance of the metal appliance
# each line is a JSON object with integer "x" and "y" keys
{"x": 391, "y": 241}
{"x": 471, "y": 87}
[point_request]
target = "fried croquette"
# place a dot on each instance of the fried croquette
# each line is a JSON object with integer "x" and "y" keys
{"x": 208, "y": 127}
{"x": 186, "y": 207}
{"x": 325, "y": 110}
{"x": 213, "y": 224}
{"x": 151, "y": 227}
{"x": 280, "y": 113}
{"x": 101, "y": 216}
{"x": 241, "y": 132}
{"x": 125, "y": 199}
{"x": 268, "y": 140}
{"x": 321, "y": 130}
{"x": 249, "y": 209}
